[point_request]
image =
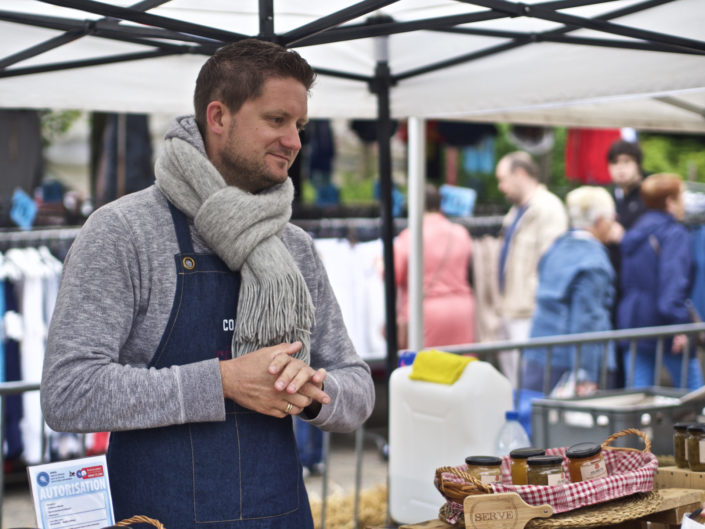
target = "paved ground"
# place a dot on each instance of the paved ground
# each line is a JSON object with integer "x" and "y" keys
{"x": 18, "y": 512}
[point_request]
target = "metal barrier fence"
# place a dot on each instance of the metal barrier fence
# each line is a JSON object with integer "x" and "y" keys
{"x": 484, "y": 351}
{"x": 488, "y": 351}
{"x": 6, "y": 389}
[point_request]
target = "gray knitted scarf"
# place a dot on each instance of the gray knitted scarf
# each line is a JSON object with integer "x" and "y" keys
{"x": 243, "y": 229}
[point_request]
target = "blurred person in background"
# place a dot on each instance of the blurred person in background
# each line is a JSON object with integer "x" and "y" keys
{"x": 448, "y": 304}
{"x": 624, "y": 159}
{"x": 536, "y": 219}
{"x": 575, "y": 291}
{"x": 656, "y": 279}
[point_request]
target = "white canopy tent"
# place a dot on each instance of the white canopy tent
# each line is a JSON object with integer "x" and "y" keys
{"x": 529, "y": 69}
{"x": 637, "y": 63}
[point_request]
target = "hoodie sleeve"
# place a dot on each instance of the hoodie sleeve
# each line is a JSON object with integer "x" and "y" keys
{"x": 674, "y": 272}
{"x": 88, "y": 383}
{"x": 348, "y": 380}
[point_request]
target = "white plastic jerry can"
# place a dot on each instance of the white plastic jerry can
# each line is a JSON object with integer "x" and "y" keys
{"x": 434, "y": 425}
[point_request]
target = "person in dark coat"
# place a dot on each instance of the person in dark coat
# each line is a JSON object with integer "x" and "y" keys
{"x": 624, "y": 163}
{"x": 656, "y": 279}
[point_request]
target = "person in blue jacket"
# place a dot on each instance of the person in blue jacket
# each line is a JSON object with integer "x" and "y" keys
{"x": 656, "y": 279}
{"x": 575, "y": 292}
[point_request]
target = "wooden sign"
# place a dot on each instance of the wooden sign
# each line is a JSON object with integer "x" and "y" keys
{"x": 501, "y": 511}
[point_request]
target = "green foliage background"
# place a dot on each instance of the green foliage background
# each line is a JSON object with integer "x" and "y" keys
{"x": 55, "y": 123}
{"x": 674, "y": 153}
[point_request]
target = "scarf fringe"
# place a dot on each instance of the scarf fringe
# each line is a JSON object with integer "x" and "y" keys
{"x": 268, "y": 314}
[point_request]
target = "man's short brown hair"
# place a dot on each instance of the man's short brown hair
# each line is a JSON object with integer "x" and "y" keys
{"x": 238, "y": 70}
{"x": 522, "y": 160}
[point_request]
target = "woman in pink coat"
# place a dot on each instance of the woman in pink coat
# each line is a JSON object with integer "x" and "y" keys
{"x": 449, "y": 305}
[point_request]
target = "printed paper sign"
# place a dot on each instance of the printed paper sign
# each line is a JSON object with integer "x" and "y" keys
{"x": 72, "y": 494}
{"x": 457, "y": 201}
{"x": 23, "y": 209}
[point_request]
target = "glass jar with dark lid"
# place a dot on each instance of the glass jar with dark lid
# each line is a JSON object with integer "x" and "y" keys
{"x": 486, "y": 469}
{"x": 696, "y": 447}
{"x": 518, "y": 462}
{"x": 545, "y": 470}
{"x": 585, "y": 462}
{"x": 680, "y": 446}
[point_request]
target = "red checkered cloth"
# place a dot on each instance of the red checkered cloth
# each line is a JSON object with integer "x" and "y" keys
{"x": 628, "y": 472}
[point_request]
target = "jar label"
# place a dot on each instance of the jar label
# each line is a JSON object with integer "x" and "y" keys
{"x": 489, "y": 477}
{"x": 556, "y": 479}
{"x": 593, "y": 469}
{"x": 701, "y": 448}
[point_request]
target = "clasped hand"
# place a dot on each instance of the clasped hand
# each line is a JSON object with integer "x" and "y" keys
{"x": 271, "y": 381}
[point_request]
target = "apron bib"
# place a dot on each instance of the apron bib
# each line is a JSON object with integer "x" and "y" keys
{"x": 242, "y": 473}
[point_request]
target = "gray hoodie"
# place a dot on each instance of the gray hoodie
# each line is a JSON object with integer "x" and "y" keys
{"x": 112, "y": 308}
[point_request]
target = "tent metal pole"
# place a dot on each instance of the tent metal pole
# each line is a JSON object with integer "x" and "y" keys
{"x": 266, "y": 19}
{"x": 14, "y": 72}
{"x": 322, "y": 34}
{"x": 40, "y": 48}
{"x": 384, "y": 127}
{"x": 148, "y": 19}
{"x": 335, "y": 19}
{"x": 683, "y": 105}
{"x": 417, "y": 179}
{"x": 380, "y": 86}
{"x": 361, "y": 31}
{"x": 109, "y": 28}
{"x": 537, "y": 11}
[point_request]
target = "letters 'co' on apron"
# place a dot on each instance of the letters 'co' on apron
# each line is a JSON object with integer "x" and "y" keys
{"x": 242, "y": 473}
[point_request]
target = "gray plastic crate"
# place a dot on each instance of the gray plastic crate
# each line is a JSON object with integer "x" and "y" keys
{"x": 564, "y": 422}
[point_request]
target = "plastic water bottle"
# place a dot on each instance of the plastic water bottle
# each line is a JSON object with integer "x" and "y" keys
{"x": 512, "y": 435}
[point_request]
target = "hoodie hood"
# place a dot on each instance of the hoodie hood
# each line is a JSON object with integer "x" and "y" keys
{"x": 651, "y": 224}
{"x": 185, "y": 128}
{"x": 566, "y": 259}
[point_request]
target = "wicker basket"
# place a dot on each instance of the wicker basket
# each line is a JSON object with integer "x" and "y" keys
{"x": 631, "y": 471}
{"x": 140, "y": 519}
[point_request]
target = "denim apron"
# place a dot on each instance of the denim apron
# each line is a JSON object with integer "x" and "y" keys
{"x": 242, "y": 473}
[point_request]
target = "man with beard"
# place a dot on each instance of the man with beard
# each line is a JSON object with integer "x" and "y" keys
{"x": 193, "y": 320}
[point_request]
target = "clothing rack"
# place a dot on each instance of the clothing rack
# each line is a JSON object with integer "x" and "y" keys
{"x": 358, "y": 229}
{"x": 355, "y": 229}
{"x": 367, "y": 229}
{"x": 57, "y": 239}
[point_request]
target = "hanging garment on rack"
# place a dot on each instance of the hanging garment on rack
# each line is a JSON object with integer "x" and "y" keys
{"x": 50, "y": 283}
{"x": 13, "y": 403}
{"x": 2, "y": 318}
{"x": 487, "y": 298}
{"x": 29, "y": 279}
{"x": 368, "y": 277}
{"x": 31, "y": 304}
{"x": 20, "y": 153}
{"x": 480, "y": 158}
{"x": 358, "y": 287}
{"x": 586, "y": 155}
{"x": 126, "y": 159}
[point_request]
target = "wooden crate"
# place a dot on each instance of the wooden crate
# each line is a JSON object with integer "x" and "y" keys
{"x": 674, "y": 502}
{"x": 674, "y": 477}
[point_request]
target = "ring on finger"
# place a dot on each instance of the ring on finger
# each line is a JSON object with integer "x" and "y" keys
{"x": 289, "y": 407}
